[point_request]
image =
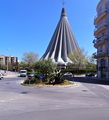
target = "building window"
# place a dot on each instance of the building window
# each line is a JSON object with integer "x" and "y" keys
{"x": 103, "y": 63}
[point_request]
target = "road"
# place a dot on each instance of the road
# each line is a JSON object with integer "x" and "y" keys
{"x": 84, "y": 101}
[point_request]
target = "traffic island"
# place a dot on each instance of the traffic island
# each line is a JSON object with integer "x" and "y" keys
{"x": 37, "y": 83}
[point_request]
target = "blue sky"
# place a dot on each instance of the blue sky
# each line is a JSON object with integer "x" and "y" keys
{"x": 28, "y": 25}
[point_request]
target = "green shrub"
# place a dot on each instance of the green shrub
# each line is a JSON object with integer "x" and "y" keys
{"x": 32, "y": 81}
{"x": 45, "y": 68}
{"x": 79, "y": 71}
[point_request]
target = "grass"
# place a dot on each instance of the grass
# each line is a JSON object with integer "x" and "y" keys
{"x": 64, "y": 84}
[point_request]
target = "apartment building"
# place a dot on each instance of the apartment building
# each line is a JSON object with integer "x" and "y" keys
{"x": 8, "y": 60}
{"x": 101, "y": 42}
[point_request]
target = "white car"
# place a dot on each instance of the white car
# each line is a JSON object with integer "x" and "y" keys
{"x": 23, "y": 73}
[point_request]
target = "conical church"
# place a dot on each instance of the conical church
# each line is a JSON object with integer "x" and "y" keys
{"x": 63, "y": 42}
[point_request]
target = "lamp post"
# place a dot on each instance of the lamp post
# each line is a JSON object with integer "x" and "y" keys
{"x": 0, "y": 63}
{"x": 7, "y": 63}
{"x": 7, "y": 66}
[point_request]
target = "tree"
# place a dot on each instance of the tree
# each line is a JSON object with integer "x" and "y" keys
{"x": 30, "y": 57}
{"x": 91, "y": 62}
{"x": 79, "y": 59}
{"x": 81, "y": 63}
{"x": 45, "y": 68}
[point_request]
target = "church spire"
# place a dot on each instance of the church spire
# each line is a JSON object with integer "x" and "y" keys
{"x": 63, "y": 13}
{"x": 63, "y": 42}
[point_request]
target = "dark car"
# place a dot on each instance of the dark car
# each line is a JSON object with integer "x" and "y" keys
{"x": 90, "y": 75}
{"x": 30, "y": 76}
{"x": 68, "y": 74}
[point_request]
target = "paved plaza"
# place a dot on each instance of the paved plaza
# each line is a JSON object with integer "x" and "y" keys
{"x": 84, "y": 101}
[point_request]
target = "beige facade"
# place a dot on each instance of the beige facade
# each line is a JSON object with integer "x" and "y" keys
{"x": 101, "y": 42}
{"x": 8, "y": 60}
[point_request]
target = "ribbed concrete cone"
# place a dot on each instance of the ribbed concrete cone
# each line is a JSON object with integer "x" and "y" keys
{"x": 62, "y": 43}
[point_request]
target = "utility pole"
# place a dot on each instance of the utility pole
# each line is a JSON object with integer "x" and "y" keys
{"x": 8, "y": 57}
{"x": 7, "y": 62}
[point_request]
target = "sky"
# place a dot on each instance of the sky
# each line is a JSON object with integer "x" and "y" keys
{"x": 28, "y": 25}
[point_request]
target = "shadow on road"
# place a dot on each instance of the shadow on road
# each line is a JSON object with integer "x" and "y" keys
{"x": 91, "y": 80}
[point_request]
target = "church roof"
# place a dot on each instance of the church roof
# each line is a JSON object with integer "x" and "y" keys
{"x": 63, "y": 42}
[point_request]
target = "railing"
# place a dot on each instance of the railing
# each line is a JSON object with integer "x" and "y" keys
{"x": 100, "y": 26}
{"x": 98, "y": 54}
{"x": 103, "y": 68}
{"x": 101, "y": 12}
{"x": 104, "y": 37}
{"x": 95, "y": 54}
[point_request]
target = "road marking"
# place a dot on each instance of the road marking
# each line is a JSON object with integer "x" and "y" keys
{"x": 105, "y": 86}
{"x": 3, "y": 101}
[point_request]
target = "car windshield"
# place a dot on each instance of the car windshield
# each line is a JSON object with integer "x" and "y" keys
{"x": 22, "y": 71}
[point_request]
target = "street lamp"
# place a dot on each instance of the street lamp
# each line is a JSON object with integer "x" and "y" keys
{"x": 7, "y": 63}
{"x": 7, "y": 67}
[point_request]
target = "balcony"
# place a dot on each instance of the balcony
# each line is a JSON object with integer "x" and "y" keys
{"x": 103, "y": 68}
{"x": 100, "y": 16}
{"x": 100, "y": 54}
{"x": 100, "y": 41}
{"x": 100, "y": 29}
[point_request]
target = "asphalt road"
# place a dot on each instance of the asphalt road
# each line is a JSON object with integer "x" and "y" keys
{"x": 84, "y": 101}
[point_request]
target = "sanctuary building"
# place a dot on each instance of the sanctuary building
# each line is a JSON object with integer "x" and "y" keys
{"x": 63, "y": 42}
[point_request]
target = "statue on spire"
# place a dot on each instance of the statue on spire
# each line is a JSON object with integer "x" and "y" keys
{"x": 63, "y": 3}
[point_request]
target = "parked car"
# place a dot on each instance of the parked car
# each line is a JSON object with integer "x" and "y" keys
{"x": 1, "y": 76}
{"x": 23, "y": 73}
{"x": 68, "y": 74}
{"x": 30, "y": 76}
{"x": 90, "y": 75}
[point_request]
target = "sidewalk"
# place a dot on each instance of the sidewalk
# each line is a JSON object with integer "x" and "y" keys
{"x": 9, "y": 74}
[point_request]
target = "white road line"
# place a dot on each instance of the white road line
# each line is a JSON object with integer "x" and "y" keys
{"x": 105, "y": 86}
